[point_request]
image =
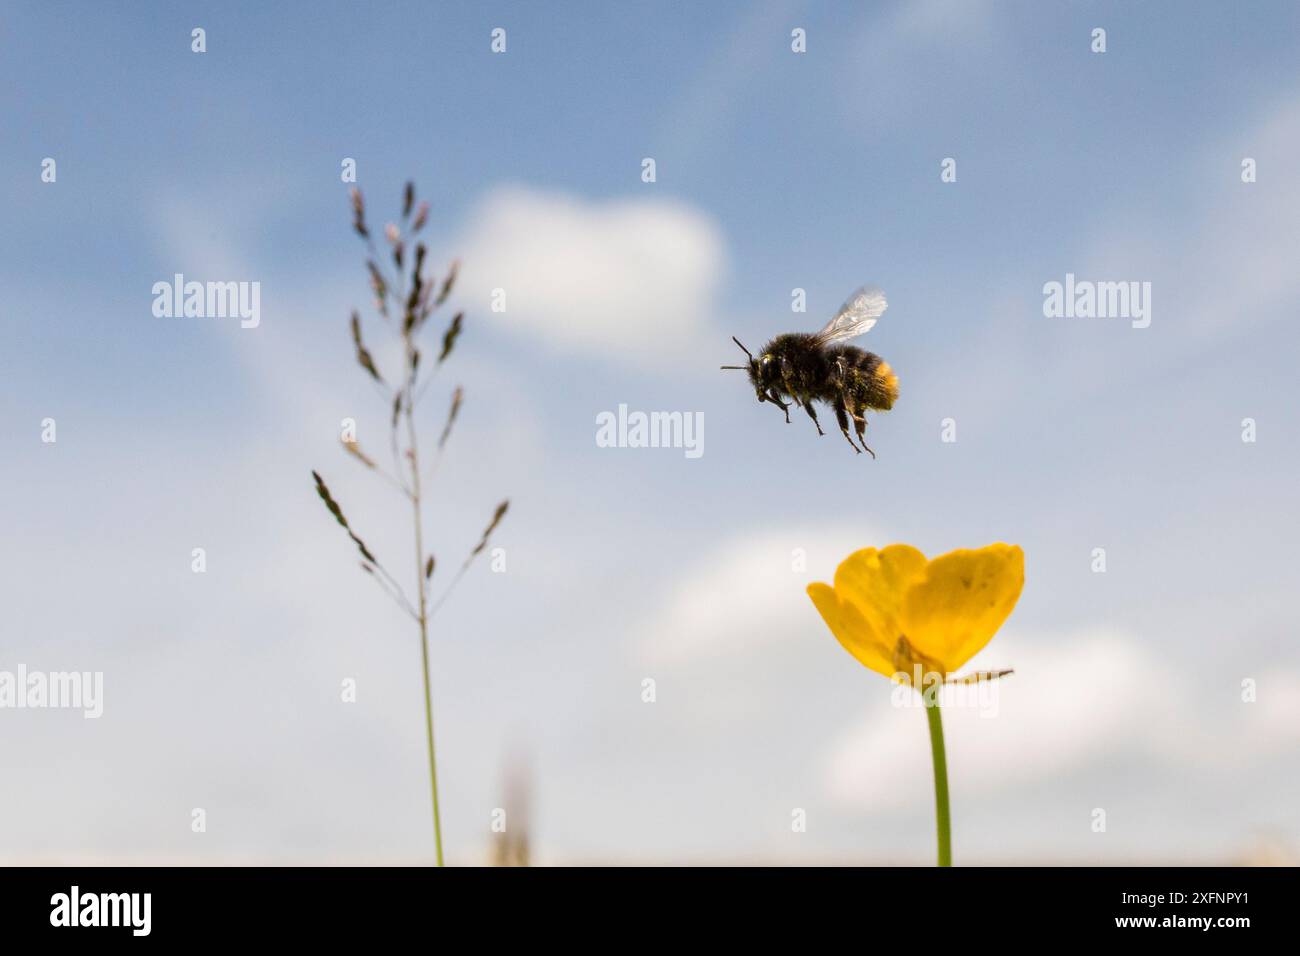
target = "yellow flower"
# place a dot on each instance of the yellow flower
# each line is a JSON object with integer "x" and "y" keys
{"x": 894, "y": 610}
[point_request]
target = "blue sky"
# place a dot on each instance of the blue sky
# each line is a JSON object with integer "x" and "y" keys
{"x": 775, "y": 171}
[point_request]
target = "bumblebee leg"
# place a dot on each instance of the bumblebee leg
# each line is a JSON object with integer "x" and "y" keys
{"x": 784, "y": 406}
{"x": 808, "y": 407}
{"x": 842, "y": 417}
{"x": 860, "y": 426}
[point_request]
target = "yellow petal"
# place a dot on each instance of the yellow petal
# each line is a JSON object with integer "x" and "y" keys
{"x": 875, "y": 582}
{"x": 851, "y": 629}
{"x": 961, "y": 600}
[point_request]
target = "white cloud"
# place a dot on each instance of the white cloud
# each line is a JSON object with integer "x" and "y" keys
{"x": 1263, "y": 727}
{"x": 1070, "y": 705}
{"x": 1279, "y": 704}
{"x": 1064, "y": 705}
{"x": 623, "y": 278}
{"x": 746, "y": 594}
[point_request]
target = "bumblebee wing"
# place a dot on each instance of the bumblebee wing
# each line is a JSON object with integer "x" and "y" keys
{"x": 856, "y": 316}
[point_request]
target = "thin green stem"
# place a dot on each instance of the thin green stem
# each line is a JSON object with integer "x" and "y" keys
{"x": 424, "y": 616}
{"x": 428, "y": 727}
{"x": 942, "y": 819}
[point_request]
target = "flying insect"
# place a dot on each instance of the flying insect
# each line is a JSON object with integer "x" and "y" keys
{"x": 801, "y": 368}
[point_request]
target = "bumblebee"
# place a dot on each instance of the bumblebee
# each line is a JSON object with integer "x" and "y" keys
{"x": 807, "y": 367}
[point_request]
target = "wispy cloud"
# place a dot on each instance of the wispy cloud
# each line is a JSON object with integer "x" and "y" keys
{"x": 745, "y": 595}
{"x": 626, "y": 279}
{"x": 1097, "y": 697}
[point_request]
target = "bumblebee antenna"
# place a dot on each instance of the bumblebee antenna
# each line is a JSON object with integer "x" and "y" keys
{"x": 738, "y": 368}
{"x": 742, "y": 348}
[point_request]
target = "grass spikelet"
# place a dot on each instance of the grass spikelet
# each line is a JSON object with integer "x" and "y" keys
{"x": 456, "y": 398}
{"x": 450, "y": 336}
{"x": 363, "y": 355}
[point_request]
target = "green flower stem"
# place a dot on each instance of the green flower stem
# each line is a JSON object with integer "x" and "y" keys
{"x": 940, "y": 778}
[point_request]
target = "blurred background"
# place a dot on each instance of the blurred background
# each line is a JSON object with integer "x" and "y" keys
{"x": 774, "y": 171}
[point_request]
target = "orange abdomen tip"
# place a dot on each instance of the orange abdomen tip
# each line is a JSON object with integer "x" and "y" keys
{"x": 887, "y": 379}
